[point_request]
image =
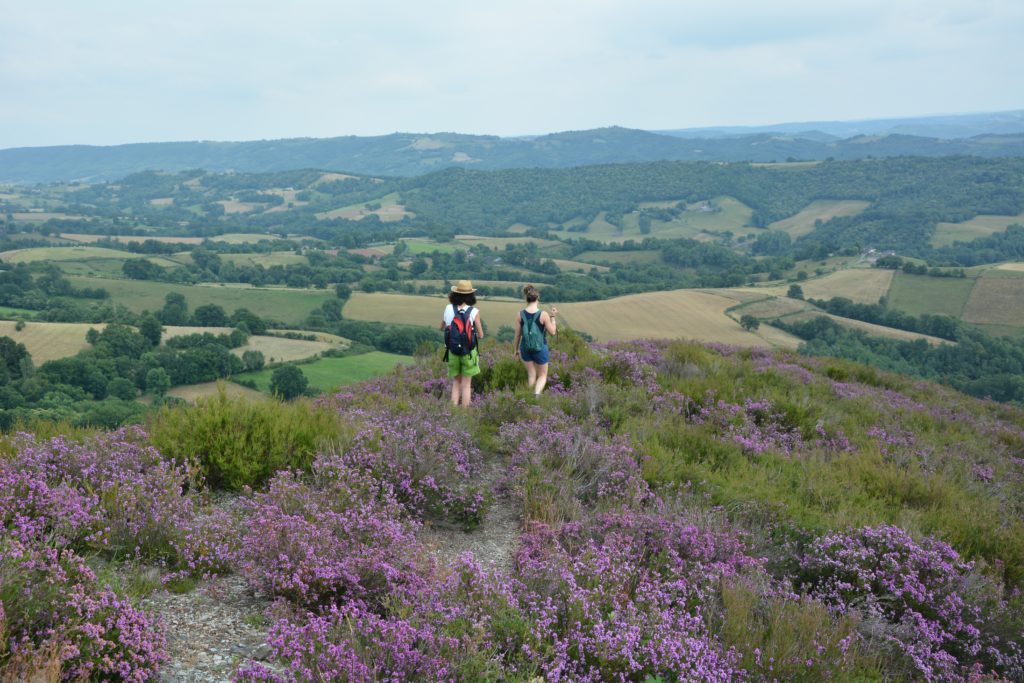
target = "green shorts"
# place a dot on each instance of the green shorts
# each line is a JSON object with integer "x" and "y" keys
{"x": 468, "y": 365}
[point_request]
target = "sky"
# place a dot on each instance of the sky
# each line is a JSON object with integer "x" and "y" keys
{"x": 108, "y": 72}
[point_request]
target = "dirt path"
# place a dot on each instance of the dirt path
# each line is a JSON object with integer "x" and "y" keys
{"x": 494, "y": 542}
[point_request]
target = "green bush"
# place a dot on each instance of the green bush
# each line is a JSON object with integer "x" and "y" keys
{"x": 237, "y": 442}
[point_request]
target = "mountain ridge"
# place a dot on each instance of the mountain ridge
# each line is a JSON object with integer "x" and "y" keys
{"x": 413, "y": 154}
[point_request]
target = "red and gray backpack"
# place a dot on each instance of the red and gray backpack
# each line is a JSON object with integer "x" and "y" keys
{"x": 459, "y": 336}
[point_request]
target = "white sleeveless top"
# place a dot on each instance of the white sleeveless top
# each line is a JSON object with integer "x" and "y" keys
{"x": 449, "y": 315}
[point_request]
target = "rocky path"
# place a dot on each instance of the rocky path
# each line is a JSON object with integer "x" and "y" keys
{"x": 211, "y": 629}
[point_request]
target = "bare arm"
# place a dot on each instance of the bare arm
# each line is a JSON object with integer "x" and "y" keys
{"x": 519, "y": 334}
{"x": 548, "y": 321}
{"x": 479, "y": 326}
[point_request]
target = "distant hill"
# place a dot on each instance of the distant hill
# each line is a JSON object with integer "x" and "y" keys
{"x": 411, "y": 154}
{"x": 943, "y": 127}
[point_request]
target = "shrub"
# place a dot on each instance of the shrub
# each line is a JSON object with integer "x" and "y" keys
{"x": 54, "y": 614}
{"x": 239, "y": 443}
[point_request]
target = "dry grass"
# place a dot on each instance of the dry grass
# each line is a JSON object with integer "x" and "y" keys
{"x": 281, "y": 350}
{"x": 824, "y": 210}
{"x": 1018, "y": 267}
{"x": 979, "y": 226}
{"x": 162, "y": 201}
{"x": 689, "y": 314}
{"x": 996, "y": 301}
{"x": 194, "y": 392}
{"x": 502, "y": 242}
{"x": 171, "y": 331}
{"x": 49, "y": 341}
{"x": 41, "y": 216}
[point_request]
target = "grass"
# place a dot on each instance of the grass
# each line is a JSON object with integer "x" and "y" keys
{"x": 569, "y": 266}
{"x": 1011, "y": 267}
{"x": 996, "y": 301}
{"x": 920, "y": 294}
{"x": 330, "y": 373}
{"x": 9, "y": 312}
{"x": 290, "y": 306}
{"x": 85, "y": 238}
{"x": 979, "y": 226}
{"x": 49, "y": 341}
{"x": 279, "y": 349}
{"x": 802, "y": 223}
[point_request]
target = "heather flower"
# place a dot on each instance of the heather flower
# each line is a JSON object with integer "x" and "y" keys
{"x": 921, "y": 588}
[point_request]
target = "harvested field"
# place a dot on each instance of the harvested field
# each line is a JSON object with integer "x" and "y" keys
{"x": 274, "y": 258}
{"x": 996, "y": 301}
{"x": 194, "y": 392}
{"x": 860, "y": 285}
{"x": 870, "y": 328}
{"x": 42, "y": 216}
{"x": 234, "y": 206}
{"x": 1015, "y": 267}
{"x": 49, "y": 341}
{"x": 692, "y": 314}
{"x": 802, "y": 223}
{"x": 282, "y": 350}
{"x": 501, "y": 242}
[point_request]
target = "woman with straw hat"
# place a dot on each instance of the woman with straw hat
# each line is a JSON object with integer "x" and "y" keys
{"x": 461, "y": 311}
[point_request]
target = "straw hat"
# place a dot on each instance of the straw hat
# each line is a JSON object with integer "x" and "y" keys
{"x": 463, "y": 287}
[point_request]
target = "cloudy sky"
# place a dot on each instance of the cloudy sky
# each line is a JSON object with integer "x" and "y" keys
{"x": 111, "y": 72}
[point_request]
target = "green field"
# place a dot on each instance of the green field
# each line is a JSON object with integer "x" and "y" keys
{"x": 920, "y": 294}
{"x": 290, "y": 306}
{"x": 979, "y": 226}
{"x": 64, "y": 254}
{"x": 700, "y": 219}
{"x": 642, "y": 256}
{"x": 274, "y": 258}
{"x": 329, "y": 373}
{"x": 8, "y": 313}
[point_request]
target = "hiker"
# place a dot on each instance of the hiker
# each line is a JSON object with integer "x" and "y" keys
{"x": 463, "y": 330}
{"x": 531, "y": 344}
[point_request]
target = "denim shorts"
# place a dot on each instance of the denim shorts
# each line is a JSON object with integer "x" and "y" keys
{"x": 539, "y": 357}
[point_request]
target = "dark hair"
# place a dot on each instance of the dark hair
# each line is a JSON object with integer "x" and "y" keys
{"x": 531, "y": 293}
{"x": 456, "y": 299}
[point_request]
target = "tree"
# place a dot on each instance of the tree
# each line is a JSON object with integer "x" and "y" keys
{"x": 158, "y": 382}
{"x": 749, "y": 322}
{"x": 175, "y": 310}
{"x": 151, "y": 329}
{"x": 210, "y": 315}
{"x": 121, "y": 388}
{"x": 288, "y": 382}
{"x": 795, "y": 292}
{"x": 142, "y": 269}
{"x": 253, "y": 360}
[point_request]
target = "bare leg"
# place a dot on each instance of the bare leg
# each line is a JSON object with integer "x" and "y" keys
{"x": 542, "y": 378}
{"x": 531, "y": 373}
{"x": 456, "y": 389}
{"x": 467, "y": 390}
